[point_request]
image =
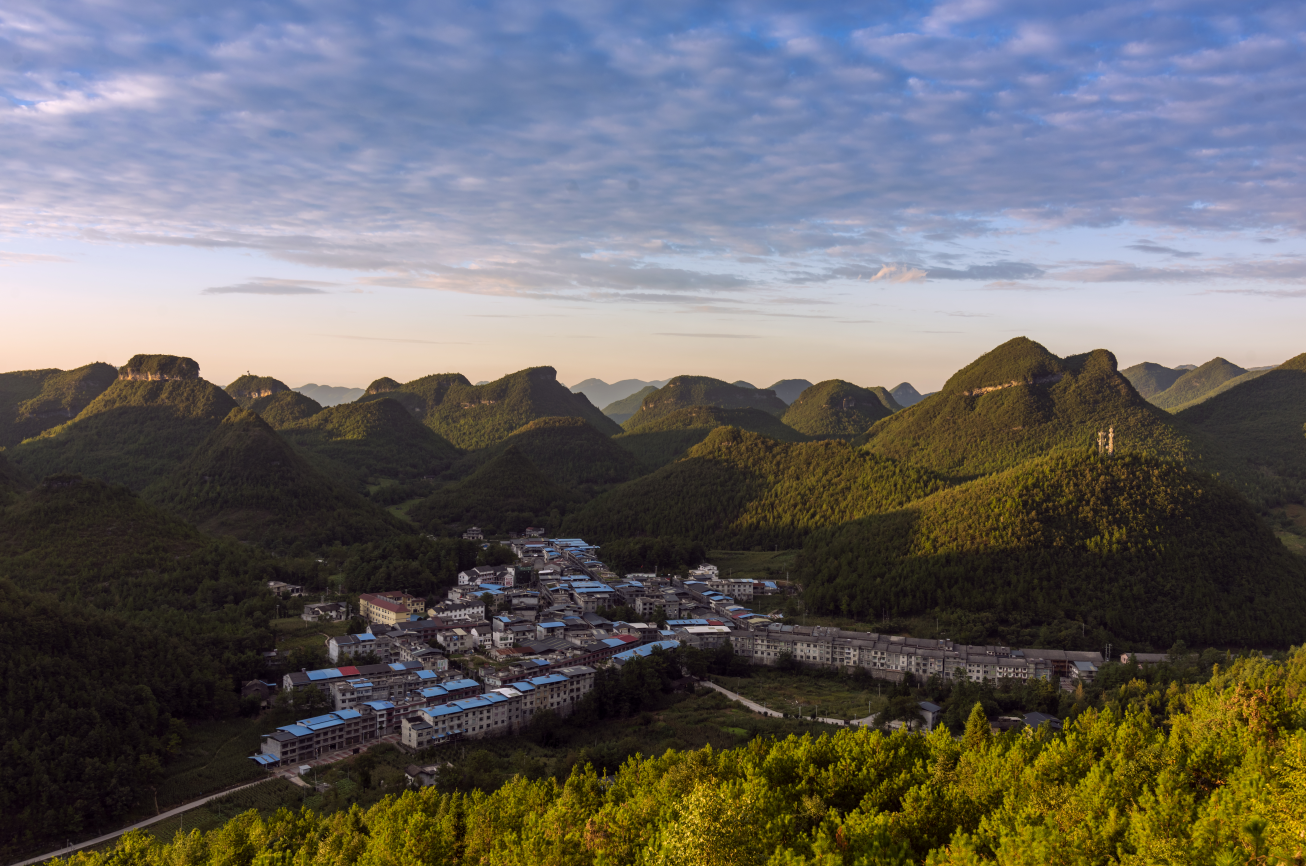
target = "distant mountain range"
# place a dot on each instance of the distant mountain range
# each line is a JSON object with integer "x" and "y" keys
{"x": 330, "y": 395}
{"x": 600, "y": 393}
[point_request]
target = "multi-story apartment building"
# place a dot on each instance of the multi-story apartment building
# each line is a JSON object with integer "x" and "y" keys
{"x": 390, "y": 608}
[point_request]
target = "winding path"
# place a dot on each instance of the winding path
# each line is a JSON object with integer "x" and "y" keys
{"x": 758, "y": 708}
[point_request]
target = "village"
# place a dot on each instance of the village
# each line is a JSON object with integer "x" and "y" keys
{"x": 511, "y": 641}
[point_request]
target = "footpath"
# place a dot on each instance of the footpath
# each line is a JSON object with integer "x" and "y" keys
{"x": 289, "y": 773}
{"x": 758, "y": 708}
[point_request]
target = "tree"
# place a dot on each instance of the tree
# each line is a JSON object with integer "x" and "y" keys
{"x": 978, "y": 733}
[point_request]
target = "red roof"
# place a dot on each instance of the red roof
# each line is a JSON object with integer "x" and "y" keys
{"x": 348, "y": 671}
{"x": 627, "y": 638}
{"x": 384, "y": 604}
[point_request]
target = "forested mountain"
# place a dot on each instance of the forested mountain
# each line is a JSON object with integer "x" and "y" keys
{"x": 285, "y": 408}
{"x": 329, "y": 395}
{"x": 507, "y": 494}
{"x": 1228, "y": 384}
{"x": 246, "y": 389}
{"x": 1193, "y": 385}
{"x": 12, "y": 481}
{"x": 32, "y": 401}
{"x": 621, "y": 410}
{"x": 836, "y": 409}
{"x": 668, "y": 437}
{"x": 116, "y": 620}
{"x": 789, "y": 389}
{"x": 886, "y": 398}
{"x": 140, "y": 429}
{"x": 1140, "y": 547}
{"x": 475, "y": 416}
{"x": 1163, "y": 773}
{"x": 374, "y": 439}
{"x": 740, "y": 383}
{"x": 246, "y": 482}
{"x": 906, "y": 395}
{"x": 737, "y": 490}
{"x": 1150, "y": 379}
{"x": 1020, "y": 401}
{"x": 685, "y": 391}
{"x": 1261, "y": 420}
{"x": 600, "y": 393}
{"x": 568, "y": 451}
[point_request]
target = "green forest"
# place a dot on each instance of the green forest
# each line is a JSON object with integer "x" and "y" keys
{"x": 144, "y": 510}
{"x": 1162, "y": 773}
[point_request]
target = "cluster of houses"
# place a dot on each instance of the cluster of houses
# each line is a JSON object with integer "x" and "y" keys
{"x": 539, "y": 633}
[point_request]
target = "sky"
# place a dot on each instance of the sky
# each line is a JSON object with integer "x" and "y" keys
{"x": 880, "y": 192}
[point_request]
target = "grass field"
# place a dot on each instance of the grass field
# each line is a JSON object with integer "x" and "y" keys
{"x": 266, "y": 797}
{"x": 758, "y": 565}
{"x": 293, "y": 632}
{"x": 828, "y": 696}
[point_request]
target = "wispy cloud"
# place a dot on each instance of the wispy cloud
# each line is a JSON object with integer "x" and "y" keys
{"x": 709, "y": 336}
{"x": 268, "y": 286}
{"x": 7, "y": 258}
{"x": 1149, "y": 247}
{"x": 393, "y": 340}
{"x": 1016, "y": 286}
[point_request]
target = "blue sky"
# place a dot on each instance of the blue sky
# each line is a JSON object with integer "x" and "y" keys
{"x": 877, "y": 192}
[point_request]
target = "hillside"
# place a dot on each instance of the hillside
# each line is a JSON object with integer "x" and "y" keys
{"x": 140, "y": 429}
{"x": 737, "y": 490}
{"x": 569, "y": 451}
{"x": 475, "y": 416}
{"x": 12, "y": 481}
{"x": 32, "y": 401}
{"x": 600, "y": 393}
{"x": 329, "y": 395}
{"x": 836, "y": 409}
{"x": 1142, "y": 548}
{"x": 1220, "y": 389}
{"x": 285, "y": 408}
{"x": 685, "y": 391}
{"x": 668, "y": 437}
{"x": 246, "y": 389}
{"x": 246, "y": 482}
{"x": 789, "y": 389}
{"x": 1150, "y": 379}
{"x": 906, "y": 395}
{"x": 375, "y": 439}
{"x": 1261, "y": 420}
{"x": 1020, "y": 401}
{"x": 1196, "y": 384}
{"x": 886, "y": 398}
{"x": 505, "y": 495}
{"x": 621, "y": 410}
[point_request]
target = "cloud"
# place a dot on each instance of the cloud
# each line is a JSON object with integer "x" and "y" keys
{"x": 996, "y": 271}
{"x": 7, "y": 258}
{"x": 709, "y": 336}
{"x": 898, "y": 274}
{"x": 1149, "y": 247}
{"x": 1014, "y": 286}
{"x": 964, "y": 315}
{"x": 268, "y": 286}
{"x": 393, "y": 340}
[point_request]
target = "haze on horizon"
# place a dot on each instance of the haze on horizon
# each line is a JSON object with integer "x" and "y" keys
{"x": 877, "y": 192}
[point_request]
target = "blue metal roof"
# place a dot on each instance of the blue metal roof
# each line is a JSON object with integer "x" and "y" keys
{"x": 522, "y": 687}
{"x": 364, "y": 636}
{"x": 324, "y": 674}
{"x": 322, "y": 726}
{"x": 297, "y": 730}
{"x": 379, "y": 705}
{"x": 647, "y": 649}
{"x": 397, "y": 666}
{"x": 548, "y": 679}
{"x": 454, "y": 685}
{"x": 427, "y": 675}
{"x": 552, "y": 625}
{"x": 612, "y": 641}
{"x": 263, "y": 759}
{"x": 349, "y": 714}
{"x": 324, "y": 718}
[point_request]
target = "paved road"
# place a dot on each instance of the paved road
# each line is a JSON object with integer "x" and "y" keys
{"x": 185, "y": 807}
{"x": 758, "y": 708}
{"x": 290, "y": 773}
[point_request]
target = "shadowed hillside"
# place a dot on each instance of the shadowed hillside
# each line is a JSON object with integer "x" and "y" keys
{"x": 32, "y": 401}
{"x": 788, "y": 390}
{"x": 245, "y": 481}
{"x": 375, "y": 439}
{"x": 906, "y": 395}
{"x": 668, "y": 437}
{"x": 329, "y": 395}
{"x": 1151, "y": 379}
{"x": 1193, "y": 385}
{"x": 738, "y": 490}
{"x": 285, "y": 408}
{"x": 474, "y": 416}
{"x": 568, "y": 451}
{"x": 505, "y": 495}
{"x": 685, "y": 391}
{"x": 1140, "y": 547}
{"x": 621, "y": 410}
{"x": 140, "y": 429}
{"x": 1261, "y": 420}
{"x": 836, "y": 410}
{"x": 600, "y": 393}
